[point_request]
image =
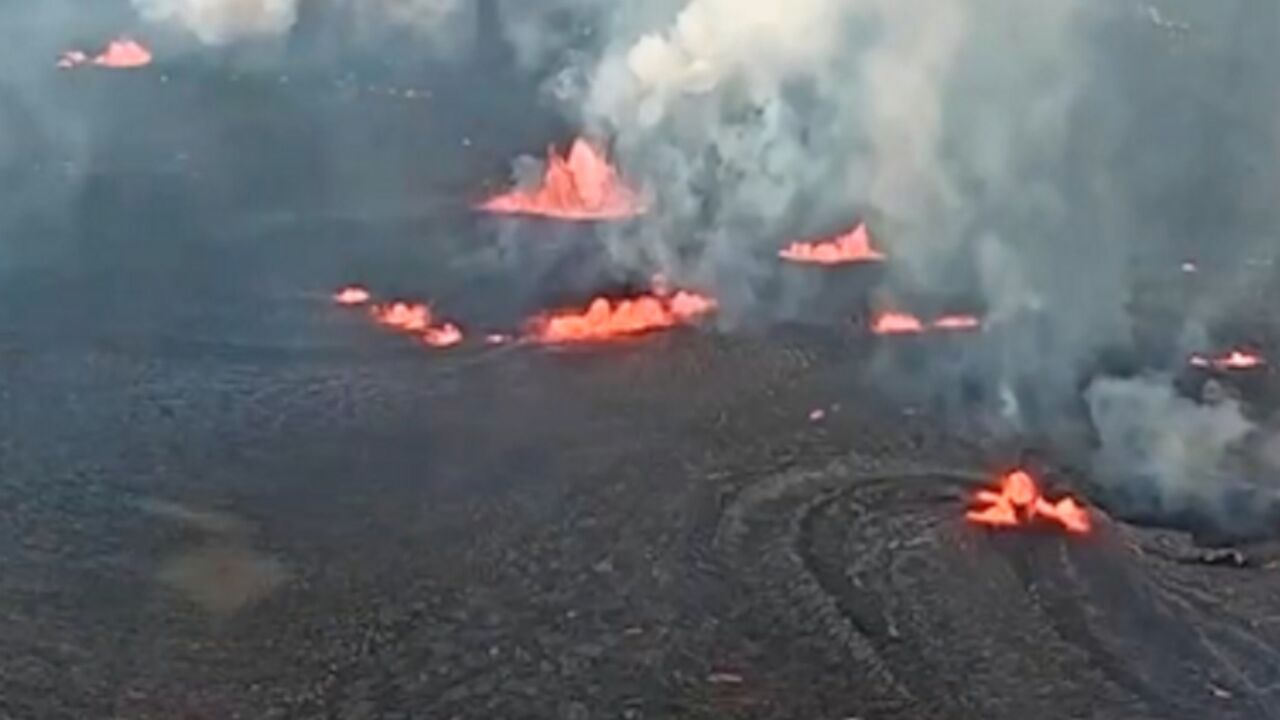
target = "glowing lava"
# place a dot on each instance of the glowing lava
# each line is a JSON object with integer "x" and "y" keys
{"x": 957, "y": 322}
{"x": 416, "y": 318}
{"x": 605, "y": 319}
{"x": 895, "y": 323}
{"x": 580, "y": 186}
{"x": 851, "y": 247}
{"x": 900, "y": 323}
{"x": 351, "y": 295}
{"x": 120, "y": 54}
{"x": 1235, "y": 360}
{"x": 1018, "y": 503}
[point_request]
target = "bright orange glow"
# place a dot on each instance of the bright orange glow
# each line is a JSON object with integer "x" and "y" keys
{"x": 896, "y": 323}
{"x": 410, "y": 317}
{"x": 351, "y": 295}
{"x": 605, "y": 319}
{"x": 1019, "y": 502}
{"x": 120, "y": 54}
{"x": 580, "y": 186}
{"x": 442, "y": 336}
{"x": 1235, "y": 360}
{"x": 851, "y": 247}
{"x": 957, "y": 322}
{"x": 123, "y": 54}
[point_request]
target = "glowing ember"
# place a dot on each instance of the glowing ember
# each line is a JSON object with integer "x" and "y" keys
{"x": 497, "y": 339}
{"x": 605, "y": 319}
{"x": 1019, "y": 503}
{"x": 351, "y": 295}
{"x": 1235, "y": 360}
{"x": 121, "y": 54}
{"x": 442, "y": 336}
{"x": 580, "y": 186}
{"x": 410, "y": 317}
{"x": 895, "y": 323}
{"x": 851, "y": 247}
{"x": 957, "y": 322}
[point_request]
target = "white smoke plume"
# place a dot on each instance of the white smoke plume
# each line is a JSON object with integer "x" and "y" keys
{"x": 217, "y": 22}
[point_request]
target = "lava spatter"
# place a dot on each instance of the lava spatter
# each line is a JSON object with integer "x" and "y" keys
{"x": 1236, "y": 359}
{"x": 579, "y": 186}
{"x": 605, "y": 319}
{"x": 853, "y": 246}
{"x": 1018, "y": 503}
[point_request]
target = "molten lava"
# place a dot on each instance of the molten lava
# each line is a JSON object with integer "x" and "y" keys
{"x": 896, "y": 323}
{"x": 900, "y": 323}
{"x": 120, "y": 54}
{"x": 851, "y": 247}
{"x": 605, "y": 319}
{"x": 351, "y": 295}
{"x": 1019, "y": 503}
{"x": 416, "y": 318}
{"x": 580, "y": 186}
{"x": 957, "y": 322}
{"x": 1237, "y": 359}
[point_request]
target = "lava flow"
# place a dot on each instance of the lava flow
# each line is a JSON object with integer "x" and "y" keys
{"x": 900, "y": 323}
{"x": 1235, "y": 360}
{"x": 851, "y": 247}
{"x": 580, "y": 186}
{"x": 605, "y": 319}
{"x": 1018, "y": 503}
{"x": 414, "y": 318}
{"x": 121, "y": 54}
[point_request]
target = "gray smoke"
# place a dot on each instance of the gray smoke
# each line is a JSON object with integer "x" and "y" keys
{"x": 1029, "y": 153}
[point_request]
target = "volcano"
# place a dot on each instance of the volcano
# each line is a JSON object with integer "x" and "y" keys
{"x": 579, "y": 186}
{"x": 1018, "y": 502}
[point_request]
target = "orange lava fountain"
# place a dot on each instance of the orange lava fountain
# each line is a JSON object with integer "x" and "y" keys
{"x": 957, "y": 322}
{"x": 351, "y": 295}
{"x": 120, "y": 54}
{"x": 851, "y": 247}
{"x": 580, "y": 186}
{"x": 1019, "y": 503}
{"x": 605, "y": 319}
{"x": 1235, "y": 360}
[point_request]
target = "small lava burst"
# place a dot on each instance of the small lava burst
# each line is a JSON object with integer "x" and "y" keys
{"x": 442, "y": 336}
{"x": 351, "y": 295}
{"x": 851, "y": 247}
{"x": 579, "y": 186}
{"x": 120, "y": 54}
{"x": 957, "y": 322}
{"x": 897, "y": 323}
{"x": 1236, "y": 359}
{"x": 417, "y": 319}
{"x": 605, "y": 319}
{"x": 1018, "y": 503}
{"x": 900, "y": 323}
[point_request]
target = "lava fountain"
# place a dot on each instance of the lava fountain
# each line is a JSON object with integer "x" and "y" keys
{"x": 120, "y": 54}
{"x": 606, "y": 319}
{"x": 580, "y": 186}
{"x": 1019, "y": 503}
{"x": 853, "y": 246}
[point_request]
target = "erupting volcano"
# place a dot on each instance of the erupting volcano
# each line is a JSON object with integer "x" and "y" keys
{"x": 900, "y": 323}
{"x": 580, "y": 186}
{"x": 120, "y": 54}
{"x": 851, "y": 247}
{"x": 1237, "y": 359}
{"x": 605, "y": 319}
{"x": 1019, "y": 503}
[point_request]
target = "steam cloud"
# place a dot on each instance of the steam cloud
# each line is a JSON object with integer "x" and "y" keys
{"x": 220, "y": 21}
